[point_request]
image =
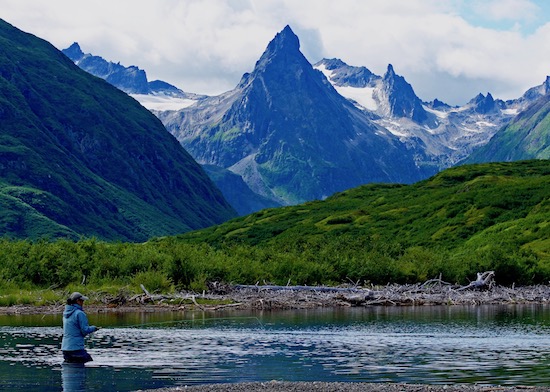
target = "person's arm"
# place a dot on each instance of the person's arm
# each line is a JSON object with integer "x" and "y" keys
{"x": 85, "y": 329}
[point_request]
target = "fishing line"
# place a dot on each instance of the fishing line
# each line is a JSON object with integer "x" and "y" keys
{"x": 160, "y": 323}
{"x": 196, "y": 321}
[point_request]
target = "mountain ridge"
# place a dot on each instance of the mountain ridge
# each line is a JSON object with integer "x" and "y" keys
{"x": 448, "y": 133}
{"x": 131, "y": 80}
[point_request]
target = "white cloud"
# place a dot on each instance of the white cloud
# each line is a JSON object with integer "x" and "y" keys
{"x": 205, "y": 46}
{"x": 507, "y": 9}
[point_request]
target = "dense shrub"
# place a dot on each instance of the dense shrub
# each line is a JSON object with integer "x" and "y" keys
{"x": 462, "y": 221}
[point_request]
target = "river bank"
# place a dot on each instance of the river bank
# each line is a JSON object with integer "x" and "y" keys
{"x": 276, "y": 386}
{"x": 266, "y": 297}
{"x": 402, "y": 298}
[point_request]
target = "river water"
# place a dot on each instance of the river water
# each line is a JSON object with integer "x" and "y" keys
{"x": 493, "y": 345}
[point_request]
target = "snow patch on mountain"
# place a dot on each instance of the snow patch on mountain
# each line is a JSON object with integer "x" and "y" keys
{"x": 447, "y": 134}
{"x": 511, "y": 112}
{"x": 362, "y": 96}
{"x": 437, "y": 113}
{"x": 163, "y": 102}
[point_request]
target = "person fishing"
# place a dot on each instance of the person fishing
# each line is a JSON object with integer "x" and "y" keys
{"x": 75, "y": 328}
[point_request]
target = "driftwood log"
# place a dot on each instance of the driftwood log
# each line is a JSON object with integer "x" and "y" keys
{"x": 220, "y": 295}
{"x": 484, "y": 280}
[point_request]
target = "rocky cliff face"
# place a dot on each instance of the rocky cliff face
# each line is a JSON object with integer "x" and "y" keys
{"x": 400, "y": 99}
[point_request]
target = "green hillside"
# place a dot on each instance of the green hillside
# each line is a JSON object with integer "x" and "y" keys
{"x": 80, "y": 158}
{"x": 465, "y": 220}
{"x": 469, "y": 218}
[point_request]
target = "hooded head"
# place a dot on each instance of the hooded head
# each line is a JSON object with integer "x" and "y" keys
{"x": 75, "y": 297}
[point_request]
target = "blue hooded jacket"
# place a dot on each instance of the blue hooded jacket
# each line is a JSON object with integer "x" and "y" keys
{"x": 75, "y": 328}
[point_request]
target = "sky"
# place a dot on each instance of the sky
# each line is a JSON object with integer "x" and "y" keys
{"x": 446, "y": 49}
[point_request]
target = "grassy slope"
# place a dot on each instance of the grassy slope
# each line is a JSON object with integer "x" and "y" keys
{"x": 79, "y": 157}
{"x": 487, "y": 215}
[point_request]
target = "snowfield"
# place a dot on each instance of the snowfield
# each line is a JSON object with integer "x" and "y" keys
{"x": 162, "y": 102}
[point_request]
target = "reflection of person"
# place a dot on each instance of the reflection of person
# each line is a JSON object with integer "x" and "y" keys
{"x": 75, "y": 328}
{"x": 73, "y": 377}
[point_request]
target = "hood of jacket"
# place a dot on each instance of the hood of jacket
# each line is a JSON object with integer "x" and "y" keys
{"x": 70, "y": 309}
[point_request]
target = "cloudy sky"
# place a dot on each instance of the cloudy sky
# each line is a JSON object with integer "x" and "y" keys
{"x": 447, "y": 49}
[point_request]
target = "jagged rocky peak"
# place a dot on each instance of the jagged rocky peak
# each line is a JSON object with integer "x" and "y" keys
{"x": 390, "y": 73}
{"x": 282, "y": 65}
{"x": 290, "y": 135}
{"x": 537, "y": 91}
{"x": 401, "y": 97}
{"x": 284, "y": 41}
{"x": 281, "y": 56}
{"x": 437, "y": 104}
{"x": 74, "y": 52}
{"x": 483, "y": 104}
{"x": 131, "y": 80}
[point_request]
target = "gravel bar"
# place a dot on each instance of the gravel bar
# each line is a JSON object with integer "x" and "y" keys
{"x": 280, "y": 386}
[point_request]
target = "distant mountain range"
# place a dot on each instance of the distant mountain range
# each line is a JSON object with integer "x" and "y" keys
{"x": 131, "y": 80}
{"x": 78, "y": 157}
{"x": 288, "y": 132}
{"x": 447, "y": 134}
{"x": 156, "y": 95}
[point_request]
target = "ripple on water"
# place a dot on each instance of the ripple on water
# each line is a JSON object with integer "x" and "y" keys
{"x": 398, "y": 348}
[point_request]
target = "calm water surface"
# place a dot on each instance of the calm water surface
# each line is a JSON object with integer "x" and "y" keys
{"x": 434, "y": 345}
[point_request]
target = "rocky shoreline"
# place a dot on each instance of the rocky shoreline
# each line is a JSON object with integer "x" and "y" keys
{"x": 278, "y": 386}
{"x": 239, "y": 297}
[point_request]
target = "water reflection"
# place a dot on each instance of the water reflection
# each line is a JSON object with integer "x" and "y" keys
{"x": 486, "y": 345}
{"x": 73, "y": 376}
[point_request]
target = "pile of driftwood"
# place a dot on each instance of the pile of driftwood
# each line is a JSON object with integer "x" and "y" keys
{"x": 433, "y": 292}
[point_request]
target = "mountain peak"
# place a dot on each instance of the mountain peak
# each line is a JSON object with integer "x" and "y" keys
{"x": 390, "y": 73}
{"x": 282, "y": 55}
{"x": 291, "y": 136}
{"x": 131, "y": 80}
{"x": 74, "y": 52}
{"x": 286, "y": 39}
{"x": 483, "y": 104}
{"x": 538, "y": 91}
{"x": 402, "y": 100}
{"x": 346, "y": 75}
